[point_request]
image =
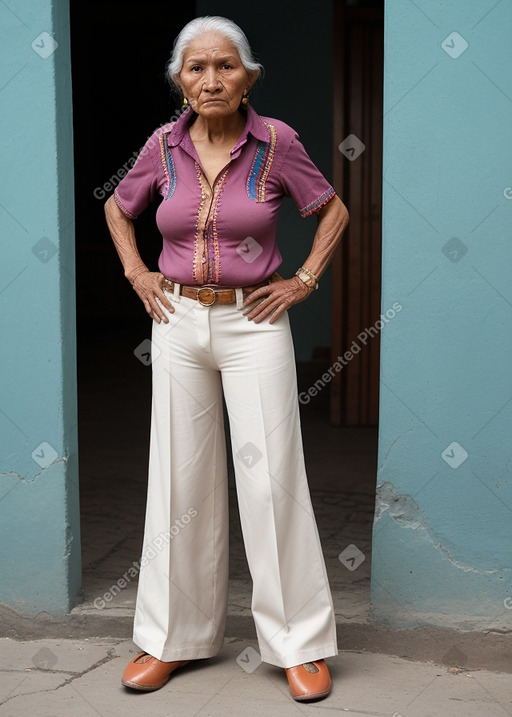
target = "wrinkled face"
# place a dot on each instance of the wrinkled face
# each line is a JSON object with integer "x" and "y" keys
{"x": 213, "y": 78}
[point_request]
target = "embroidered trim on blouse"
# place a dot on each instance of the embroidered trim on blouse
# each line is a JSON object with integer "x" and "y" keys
{"x": 121, "y": 206}
{"x": 261, "y": 166}
{"x": 206, "y": 264}
{"x": 212, "y": 238}
{"x": 197, "y": 264}
{"x": 168, "y": 165}
{"x": 318, "y": 203}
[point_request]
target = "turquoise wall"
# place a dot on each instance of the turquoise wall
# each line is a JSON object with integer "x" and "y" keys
{"x": 443, "y": 527}
{"x": 295, "y": 47}
{"x": 39, "y": 517}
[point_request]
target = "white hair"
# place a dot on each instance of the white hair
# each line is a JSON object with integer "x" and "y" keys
{"x": 214, "y": 23}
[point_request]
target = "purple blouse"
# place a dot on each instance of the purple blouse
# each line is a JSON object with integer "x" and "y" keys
{"x": 223, "y": 235}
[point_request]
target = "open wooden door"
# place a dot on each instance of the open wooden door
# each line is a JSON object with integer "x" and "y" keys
{"x": 357, "y": 171}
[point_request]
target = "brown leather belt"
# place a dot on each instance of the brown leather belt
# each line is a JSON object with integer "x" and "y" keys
{"x": 209, "y": 295}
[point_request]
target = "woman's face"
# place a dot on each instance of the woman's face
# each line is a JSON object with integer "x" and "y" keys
{"x": 213, "y": 78}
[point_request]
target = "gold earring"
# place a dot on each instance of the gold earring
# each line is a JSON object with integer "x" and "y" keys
{"x": 245, "y": 100}
{"x": 185, "y": 102}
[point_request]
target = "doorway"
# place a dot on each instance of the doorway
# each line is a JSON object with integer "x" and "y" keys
{"x": 118, "y": 100}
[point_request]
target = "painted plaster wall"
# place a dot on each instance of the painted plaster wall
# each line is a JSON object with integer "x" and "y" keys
{"x": 443, "y": 527}
{"x": 39, "y": 518}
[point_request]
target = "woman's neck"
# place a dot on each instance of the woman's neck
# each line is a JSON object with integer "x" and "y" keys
{"x": 218, "y": 130}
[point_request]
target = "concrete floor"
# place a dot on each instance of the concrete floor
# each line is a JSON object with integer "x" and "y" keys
{"x": 59, "y": 678}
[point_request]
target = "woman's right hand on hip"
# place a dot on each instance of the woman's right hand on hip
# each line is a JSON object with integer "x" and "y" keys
{"x": 149, "y": 288}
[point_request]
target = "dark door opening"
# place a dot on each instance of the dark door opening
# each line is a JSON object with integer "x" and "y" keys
{"x": 120, "y": 96}
{"x": 119, "y": 99}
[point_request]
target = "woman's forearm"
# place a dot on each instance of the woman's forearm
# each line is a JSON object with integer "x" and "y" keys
{"x": 123, "y": 235}
{"x": 332, "y": 221}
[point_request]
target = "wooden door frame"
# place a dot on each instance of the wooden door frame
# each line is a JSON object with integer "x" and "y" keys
{"x": 355, "y": 284}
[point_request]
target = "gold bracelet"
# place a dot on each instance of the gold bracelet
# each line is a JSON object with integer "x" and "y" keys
{"x": 309, "y": 273}
{"x": 307, "y": 277}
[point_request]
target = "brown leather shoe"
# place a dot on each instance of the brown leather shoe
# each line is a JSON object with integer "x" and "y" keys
{"x": 147, "y": 673}
{"x": 309, "y": 681}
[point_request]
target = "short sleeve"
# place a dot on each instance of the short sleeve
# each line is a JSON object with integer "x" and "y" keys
{"x": 302, "y": 180}
{"x": 139, "y": 187}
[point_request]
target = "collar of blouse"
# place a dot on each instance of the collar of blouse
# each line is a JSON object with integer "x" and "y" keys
{"x": 179, "y": 134}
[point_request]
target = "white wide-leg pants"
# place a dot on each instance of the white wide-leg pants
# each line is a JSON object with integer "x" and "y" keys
{"x": 183, "y": 582}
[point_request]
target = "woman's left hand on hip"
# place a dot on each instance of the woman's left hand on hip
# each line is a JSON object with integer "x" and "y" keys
{"x": 276, "y": 298}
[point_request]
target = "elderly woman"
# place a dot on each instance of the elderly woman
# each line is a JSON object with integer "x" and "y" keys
{"x": 220, "y": 328}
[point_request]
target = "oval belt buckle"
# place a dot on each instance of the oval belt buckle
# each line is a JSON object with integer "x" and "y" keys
{"x": 210, "y": 294}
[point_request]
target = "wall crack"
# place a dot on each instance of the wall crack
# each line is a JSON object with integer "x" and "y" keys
{"x": 403, "y": 509}
{"x": 15, "y": 474}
